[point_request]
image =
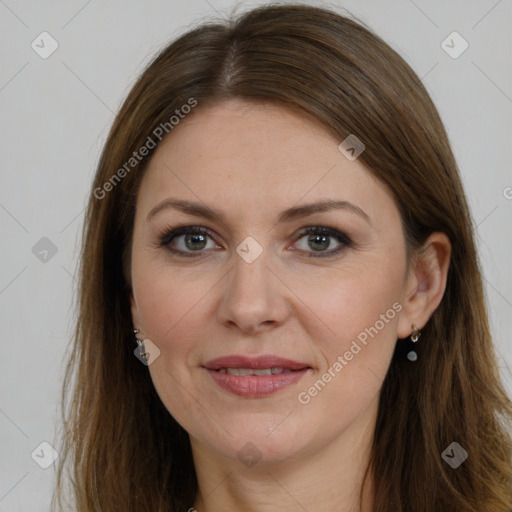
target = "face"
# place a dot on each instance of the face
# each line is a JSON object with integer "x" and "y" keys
{"x": 276, "y": 320}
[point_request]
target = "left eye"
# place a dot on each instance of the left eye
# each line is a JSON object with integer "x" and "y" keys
{"x": 318, "y": 239}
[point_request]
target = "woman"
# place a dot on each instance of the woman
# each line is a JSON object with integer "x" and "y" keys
{"x": 280, "y": 302}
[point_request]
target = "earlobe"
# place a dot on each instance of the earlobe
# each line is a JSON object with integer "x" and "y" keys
{"x": 135, "y": 312}
{"x": 425, "y": 284}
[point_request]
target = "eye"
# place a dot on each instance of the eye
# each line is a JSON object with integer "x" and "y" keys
{"x": 318, "y": 239}
{"x": 188, "y": 240}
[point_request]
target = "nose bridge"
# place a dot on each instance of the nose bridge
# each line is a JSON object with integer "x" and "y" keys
{"x": 252, "y": 296}
{"x": 250, "y": 280}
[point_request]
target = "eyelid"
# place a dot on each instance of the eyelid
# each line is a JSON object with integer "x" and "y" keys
{"x": 325, "y": 230}
{"x": 166, "y": 237}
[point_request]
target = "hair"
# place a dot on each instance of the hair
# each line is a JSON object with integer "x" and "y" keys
{"x": 125, "y": 451}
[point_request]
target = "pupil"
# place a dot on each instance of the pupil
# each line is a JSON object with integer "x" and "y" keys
{"x": 194, "y": 239}
{"x": 315, "y": 238}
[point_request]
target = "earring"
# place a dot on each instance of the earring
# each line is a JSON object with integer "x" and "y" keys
{"x": 412, "y": 355}
{"x": 139, "y": 342}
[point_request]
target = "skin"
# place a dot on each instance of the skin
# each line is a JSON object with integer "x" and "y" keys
{"x": 251, "y": 162}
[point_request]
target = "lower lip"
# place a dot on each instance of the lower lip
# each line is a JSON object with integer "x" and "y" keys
{"x": 255, "y": 386}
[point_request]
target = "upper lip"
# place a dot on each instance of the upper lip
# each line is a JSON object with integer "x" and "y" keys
{"x": 256, "y": 363}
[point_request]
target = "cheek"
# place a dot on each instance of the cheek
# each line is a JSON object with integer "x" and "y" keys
{"x": 172, "y": 308}
{"x": 356, "y": 337}
{"x": 351, "y": 303}
{"x": 169, "y": 306}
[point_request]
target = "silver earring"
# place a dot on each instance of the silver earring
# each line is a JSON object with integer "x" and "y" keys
{"x": 139, "y": 342}
{"x": 412, "y": 355}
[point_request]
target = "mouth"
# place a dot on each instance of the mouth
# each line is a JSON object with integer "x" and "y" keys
{"x": 264, "y": 362}
{"x": 255, "y": 377}
{"x": 276, "y": 370}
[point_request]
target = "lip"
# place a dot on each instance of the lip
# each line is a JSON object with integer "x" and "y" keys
{"x": 256, "y": 363}
{"x": 255, "y": 386}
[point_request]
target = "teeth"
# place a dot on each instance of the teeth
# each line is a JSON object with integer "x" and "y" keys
{"x": 250, "y": 371}
{"x": 263, "y": 371}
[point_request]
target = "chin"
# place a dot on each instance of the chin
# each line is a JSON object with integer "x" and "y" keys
{"x": 261, "y": 442}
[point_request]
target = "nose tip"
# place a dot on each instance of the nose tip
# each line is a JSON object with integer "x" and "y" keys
{"x": 253, "y": 299}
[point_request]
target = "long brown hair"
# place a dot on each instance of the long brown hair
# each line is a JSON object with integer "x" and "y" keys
{"x": 125, "y": 450}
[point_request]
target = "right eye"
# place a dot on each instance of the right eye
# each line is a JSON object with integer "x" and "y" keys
{"x": 187, "y": 240}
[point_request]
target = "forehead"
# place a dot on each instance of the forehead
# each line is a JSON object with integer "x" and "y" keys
{"x": 247, "y": 155}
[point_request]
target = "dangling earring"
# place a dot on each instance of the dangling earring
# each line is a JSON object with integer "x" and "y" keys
{"x": 412, "y": 355}
{"x": 146, "y": 351}
{"x": 139, "y": 342}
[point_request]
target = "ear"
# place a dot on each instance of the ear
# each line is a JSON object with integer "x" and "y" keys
{"x": 425, "y": 283}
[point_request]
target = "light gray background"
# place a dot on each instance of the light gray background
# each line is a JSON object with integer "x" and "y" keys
{"x": 55, "y": 115}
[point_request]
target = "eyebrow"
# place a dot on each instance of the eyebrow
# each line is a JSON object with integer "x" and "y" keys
{"x": 296, "y": 212}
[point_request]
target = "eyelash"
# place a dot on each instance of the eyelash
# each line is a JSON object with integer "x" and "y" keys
{"x": 172, "y": 233}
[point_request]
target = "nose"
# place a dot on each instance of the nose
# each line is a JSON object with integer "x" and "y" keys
{"x": 255, "y": 298}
